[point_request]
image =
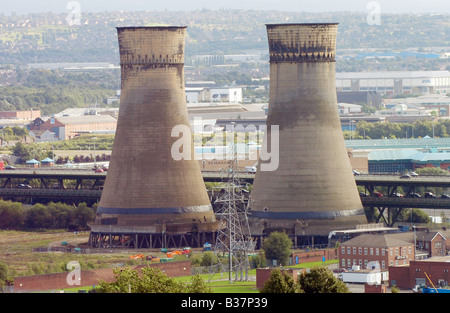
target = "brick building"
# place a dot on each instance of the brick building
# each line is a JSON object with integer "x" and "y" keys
{"x": 20, "y": 115}
{"x": 367, "y": 248}
{"x": 407, "y": 276}
{"x": 313, "y": 255}
{"x": 67, "y": 127}
{"x": 428, "y": 243}
{"x": 432, "y": 242}
{"x": 263, "y": 274}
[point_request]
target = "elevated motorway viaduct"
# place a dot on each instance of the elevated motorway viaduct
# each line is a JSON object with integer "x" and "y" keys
{"x": 75, "y": 186}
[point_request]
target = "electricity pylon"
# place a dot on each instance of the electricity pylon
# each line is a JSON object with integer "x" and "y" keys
{"x": 233, "y": 237}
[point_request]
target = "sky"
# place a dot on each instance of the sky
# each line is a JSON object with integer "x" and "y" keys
{"x": 385, "y": 6}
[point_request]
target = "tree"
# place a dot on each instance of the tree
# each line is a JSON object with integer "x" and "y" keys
{"x": 4, "y": 277}
{"x": 280, "y": 281}
{"x": 321, "y": 280}
{"x": 38, "y": 216}
{"x": 278, "y": 247}
{"x": 11, "y": 215}
{"x": 149, "y": 280}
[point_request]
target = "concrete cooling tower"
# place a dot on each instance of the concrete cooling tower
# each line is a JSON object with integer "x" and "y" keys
{"x": 151, "y": 199}
{"x": 312, "y": 191}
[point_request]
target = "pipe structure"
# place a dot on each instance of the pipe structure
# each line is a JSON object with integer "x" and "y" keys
{"x": 147, "y": 190}
{"x": 312, "y": 191}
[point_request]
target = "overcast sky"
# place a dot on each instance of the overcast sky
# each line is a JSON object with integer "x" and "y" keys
{"x": 386, "y": 6}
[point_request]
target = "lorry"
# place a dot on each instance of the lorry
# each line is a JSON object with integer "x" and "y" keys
{"x": 367, "y": 276}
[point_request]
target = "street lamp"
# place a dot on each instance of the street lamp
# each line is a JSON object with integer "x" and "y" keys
{"x": 94, "y": 138}
{"x": 352, "y": 122}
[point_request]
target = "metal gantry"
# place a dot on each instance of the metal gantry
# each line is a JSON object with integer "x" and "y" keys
{"x": 233, "y": 239}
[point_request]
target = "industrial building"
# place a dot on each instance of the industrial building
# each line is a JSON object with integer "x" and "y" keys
{"x": 401, "y": 160}
{"x": 214, "y": 94}
{"x": 20, "y": 115}
{"x": 424, "y": 104}
{"x": 395, "y": 82}
{"x": 67, "y": 127}
{"x": 421, "y": 272}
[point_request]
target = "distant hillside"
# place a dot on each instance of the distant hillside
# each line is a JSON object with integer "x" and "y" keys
{"x": 49, "y": 38}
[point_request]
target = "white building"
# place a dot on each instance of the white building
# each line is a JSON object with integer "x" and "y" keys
{"x": 403, "y": 110}
{"x": 226, "y": 94}
{"x": 438, "y": 103}
{"x": 214, "y": 94}
{"x": 43, "y": 135}
{"x": 349, "y": 108}
{"x": 395, "y": 82}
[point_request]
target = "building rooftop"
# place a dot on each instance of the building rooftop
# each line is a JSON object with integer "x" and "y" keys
{"x": 86, "y": 119}
{"x": 392, "y": 74}
{"x": 400, "y": 154}
{"x": 409, "y": 155}
{"x": 370, "y": 240}
{"x": 413, "y": 143}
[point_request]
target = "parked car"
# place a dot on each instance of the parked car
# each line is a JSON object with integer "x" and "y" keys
{"x": 362, "y": 194}
{"x": 99, "y": 170}
{"x": 445, "y": 196}
{"x": 24, "y": 186}
{"x": 355, "y": 172}
{"x": 413, "y": 174}
{"x": 397, "y": 195}
{"x": 414, "y": 195}
{"x": 407, "y": 176}
{"x": 9, "y": 167}
{"x": 377, "y": 194}
{"x": 429, "y": 195}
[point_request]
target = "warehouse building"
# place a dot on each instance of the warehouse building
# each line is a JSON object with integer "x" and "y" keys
{"x": 395, "y": 82}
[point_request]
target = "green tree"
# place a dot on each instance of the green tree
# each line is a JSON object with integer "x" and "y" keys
{"x": 277, "y": 246}
{"x": 321, "y": 280}
{"x": 11, "y": 215}
{"x": 38, "y": 216}
{"x": 419, "y": 216}
{"x": 5, "y": 275}
{"x": 150, "y": 280}
{"x": 82, "y": 214}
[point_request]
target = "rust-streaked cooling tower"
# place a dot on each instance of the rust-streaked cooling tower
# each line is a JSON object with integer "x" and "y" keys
{"x": 150, "y": 199}
{"x": 313, "y": 190}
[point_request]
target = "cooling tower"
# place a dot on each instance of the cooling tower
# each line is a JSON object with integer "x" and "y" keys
{"x": 312, "y": 191}
{"x": 150, "y": 198}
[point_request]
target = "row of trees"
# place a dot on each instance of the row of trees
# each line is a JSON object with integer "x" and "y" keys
{"x": 418, "y": 129}
{"x": 40, "y": 151}
{"x": 14, "y": 216}
{"x": 150, "y": 280}
{"x": 153, "y": 280}
{"x": 316, "y": 280}
{"x": 50, "y": 91}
